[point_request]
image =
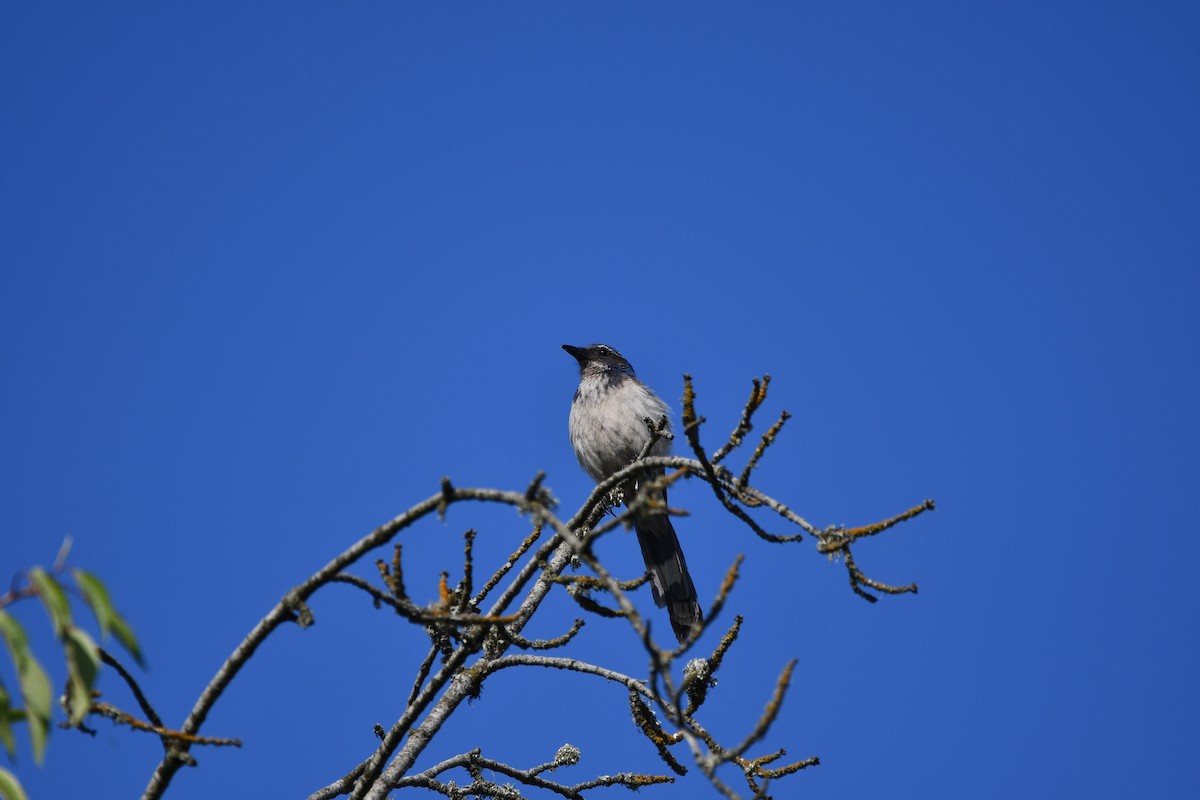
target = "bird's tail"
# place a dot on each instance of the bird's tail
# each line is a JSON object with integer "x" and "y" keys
{"x": 669, "y": 579}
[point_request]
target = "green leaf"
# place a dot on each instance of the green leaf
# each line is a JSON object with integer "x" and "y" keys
{"x": 10, "y": 787}
{"x": 125, "y": 636}
{"x": 6, "y": 717}
{"x": 96, "y": 595}
{"x": 83, "y": 665}
{"x": 53, "y": 598}
{"x": 35, "y": 686}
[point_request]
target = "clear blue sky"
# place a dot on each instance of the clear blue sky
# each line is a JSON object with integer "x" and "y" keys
{"x": 268, "y": 271}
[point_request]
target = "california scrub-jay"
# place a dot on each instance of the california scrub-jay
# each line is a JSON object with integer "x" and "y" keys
{"x": 608, "y": 431}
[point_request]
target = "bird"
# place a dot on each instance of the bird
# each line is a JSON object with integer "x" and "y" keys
{"x": 608, "y": 431}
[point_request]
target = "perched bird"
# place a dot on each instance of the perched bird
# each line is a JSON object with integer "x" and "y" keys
{"x": 608, "y": 431}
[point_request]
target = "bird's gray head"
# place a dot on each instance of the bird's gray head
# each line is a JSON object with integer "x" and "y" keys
{"x": 599, "y": 360}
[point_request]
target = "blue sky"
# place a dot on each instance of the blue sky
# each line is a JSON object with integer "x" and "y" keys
{"x": 268, "y": 272}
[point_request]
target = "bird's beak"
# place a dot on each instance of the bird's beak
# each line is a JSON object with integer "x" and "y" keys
{"x": 578, "y": 352}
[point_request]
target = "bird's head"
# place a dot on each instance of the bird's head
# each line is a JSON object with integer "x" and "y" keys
{"x": 599, "y": 360}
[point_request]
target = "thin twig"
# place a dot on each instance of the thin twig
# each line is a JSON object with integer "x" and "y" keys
{"x": 768, "y": 439}
{"x": 134, "y": 688}
{"x": 758, "y": 394}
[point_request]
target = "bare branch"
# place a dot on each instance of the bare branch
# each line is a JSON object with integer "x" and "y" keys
{"x": 422, "y": 674}
{"x": 294, "y": 601}
{"x": 507, "y": 566}
{"x": 569, "y": 664}
{"x": 647, "y": 723}
{"x": 834, "y": 540}
{"x": 138, "y": 695}
{"x": 768, "y": 439}
{"x": 465, "y": 588}
{"x": 838, "y": 538}
{"x": 769, "y": 713}
{"x": 858, "y": 580}
{"x": 758, "y": 394}
{"x": 166, "y": 734}
{"x": 463, "y": 630}
{"x": 427, "y": 616}
{"x": 475, "y": 763}
{"x": 691, "y": 427}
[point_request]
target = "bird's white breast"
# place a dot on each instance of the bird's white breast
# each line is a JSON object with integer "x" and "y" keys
{"x": 607, "y": 423}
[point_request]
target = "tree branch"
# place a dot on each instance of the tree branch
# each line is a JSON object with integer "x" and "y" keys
{"x": 462, "y": 630}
